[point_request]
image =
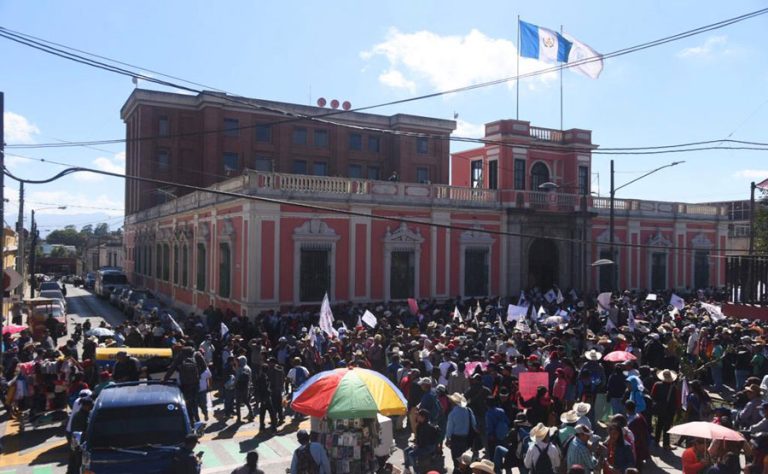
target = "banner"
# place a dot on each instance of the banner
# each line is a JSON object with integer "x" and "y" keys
{"x": 370, "y": 319}
{"x": 529, "y": 382}
{"x": 604, "y": 300}
{"x": 469, "y": 367}
{"x": 651, "y": 297}
{"x": 715, "y": 312}
{"x": 516, "y": 313}
{"x": 677, "y": 302}
{"x": 413, "y": 306}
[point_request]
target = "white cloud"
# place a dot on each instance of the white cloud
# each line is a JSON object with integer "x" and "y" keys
{"x": 448, "y": 62}
{"x": 711, "y": 46}
{"x": 468, "y": 129}
{"x": 19, "y": 130}
{"x": 115, "y": 164}
{"x": 76, "y": 203}
{"x": 751, "y": 174}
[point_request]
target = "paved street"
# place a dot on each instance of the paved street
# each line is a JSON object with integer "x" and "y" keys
{"x": 43, "y": 451}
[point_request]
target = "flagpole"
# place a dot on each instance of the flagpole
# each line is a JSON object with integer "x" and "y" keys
{"x": 561, "y": 88}
{"x": 517, "y": 85}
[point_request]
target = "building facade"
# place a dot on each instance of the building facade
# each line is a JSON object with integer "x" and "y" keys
{"x": 102, "y": 254}
{"x": 518, "y": 213}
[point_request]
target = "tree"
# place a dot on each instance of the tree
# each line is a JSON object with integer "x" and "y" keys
{"x": 67, "y": 236}
{"x": 60, "y": 252}
{"x": 101, "y": 230}
{"x": 761, "y": 225}
{"x": 87, "y": 230}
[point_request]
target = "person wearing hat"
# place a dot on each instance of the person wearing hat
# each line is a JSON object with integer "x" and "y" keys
{"x": 542, "y": 455}
{"x": 583, "y": 410}
{"x": 695, "y": 459}
{"x": 461, "y": 426}
{"x": 276, "y": 376}
{"x": 429, "y": 400}
{"x": 716, "y": 366}
{"x": 309, "y": 454}
{"x": 568, "y": 420}
{"x": 483, "y": 466}
{"x": 79, "y": 424}
{"x": 666, "y": 400}
{"x": 750, "y": 414}
{"x": 462, "y": 464}
{"x": 580, "y": 451}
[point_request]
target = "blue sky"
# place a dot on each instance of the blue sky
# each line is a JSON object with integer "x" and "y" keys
{"x": 701, "y": 88}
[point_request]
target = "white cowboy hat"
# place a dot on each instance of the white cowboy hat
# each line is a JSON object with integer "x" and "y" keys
{"x": 540, "y": 432}
{"x": 486, "y": 465}
{"x": 569, "y": 417}
{"x": 593, "y": 355}
{"x": 582, "y": 408}
{"x": 667, "y": 375}
{"x": 458, "y": 399}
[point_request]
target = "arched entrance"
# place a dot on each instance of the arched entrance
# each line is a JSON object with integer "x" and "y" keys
{"x": 539, "y": 175}
{"x": 543, "y": 259}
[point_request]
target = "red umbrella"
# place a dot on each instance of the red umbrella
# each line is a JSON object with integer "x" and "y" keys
{"x": 619, "y": 356}
{"x": 704, "y": 429}
{"x": 13, "y": 328}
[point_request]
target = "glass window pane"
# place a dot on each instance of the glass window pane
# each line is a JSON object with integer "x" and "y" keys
{"x": 422, "y": 145}
{"x": 299, "y": 136}
{"x": 355, "y": 141}
{"x": 163, "y": 127}
{"x": 355, "y": 171}
{"x": 231, "y": 127}
{"x": 263, "y": 133}
{"x": 373, "y": 172}
{"x": 320, "y": 168}
{"x": 374, "y": 144}
{"x": 321, "y": 138}
{"x": 231, "y": 162}
{"x": 299, "y": 167}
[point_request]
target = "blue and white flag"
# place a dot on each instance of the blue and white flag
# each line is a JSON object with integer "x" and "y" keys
{"x": 543, "y": 44}
{"x": 584, "y": 59}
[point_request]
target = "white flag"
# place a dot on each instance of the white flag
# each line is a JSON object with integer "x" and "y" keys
{"x": 574, "y": 295}
{"x": 478, "y": 310}
{"x": 224, "y": 330}
{"x": 540, "y": 313}
{"x": 677, "y": 302}
{"x": 501, "y": 324}
{"x": 516, "y": 313}
{"x": 560, "y": 298}
{"x": 312, "y": 335}
{"x": 715, "y": 312}
{"x": 550, "y": 296}
{"x": 604, "y": 300}
{"x": 370, "y": 319}
{"x": 326, "y": 318}
{"x": 684, "y": 391}
{"x": 522, "y": 301}
{"x": 457, "y": 314}
{"x": 651, "y": 297}
{"x": 584, "y": 59}
{"x": 631, "y": 320}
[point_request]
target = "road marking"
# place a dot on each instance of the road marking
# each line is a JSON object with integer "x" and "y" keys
{"x": 267, "y": 452}
{"x": 288, "y": 443}
{"x": 43, "y": 470}
{"x": 210, "y": 459}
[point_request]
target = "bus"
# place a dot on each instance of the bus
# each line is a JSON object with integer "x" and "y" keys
{"x": 109, "y": 279}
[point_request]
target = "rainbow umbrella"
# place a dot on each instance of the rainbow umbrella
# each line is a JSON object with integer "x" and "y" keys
{"x": 349, "y": 393}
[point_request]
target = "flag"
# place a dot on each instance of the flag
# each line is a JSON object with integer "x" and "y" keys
{"x": 501, "y": 324}
{"x": 224, "y": 330}
{"x": 326, "y": 318}
{"x": 457, "y": 314}
{"x": 359, "y": 322}
{"x": 540, "y": 313}
{"x": 763, "y": 185}
{"x": 370, "y": 319}
{"x": 543, "y": 44}
{"x": 522, "y": 301}
{"x": 413, "y": 306}
{"x": 684, "y": 391}
{"x": 478, "y": 309}
{"x": 574, "y": 295}
{"x": 583, "y": 59}
{"x": 550, "y": 296}
{"x": 715, "y": 312}
{"x": 174, "y": 325}
{"x": 312, "y": 335}
{"x": 651, "y": 297}
{"x": 677, "y": 302}
{"x": 560, "y": 298}
{"x": 604, "y": 300}
{"x": 631, "y": 320}
{"x": 516, "y": 313}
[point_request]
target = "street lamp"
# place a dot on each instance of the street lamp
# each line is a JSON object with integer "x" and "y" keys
{"x": 33, "y": 246}
{"x": 614, "y": 274}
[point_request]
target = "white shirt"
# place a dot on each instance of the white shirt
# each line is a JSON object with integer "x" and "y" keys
{"x": 532, "y": 456}
{"x": 204, "y": 378}
{"x": 443, "y": 379}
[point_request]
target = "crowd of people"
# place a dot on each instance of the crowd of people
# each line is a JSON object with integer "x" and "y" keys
{"x": 465, "y": 368}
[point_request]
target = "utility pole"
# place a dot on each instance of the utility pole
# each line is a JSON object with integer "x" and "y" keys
{"x": 611, "y": 231}
{"x": 2, "y": 211}
{"x": 750, "y": 275}
{"x": 32, "y": 256}
{"x": 20, "y": 233}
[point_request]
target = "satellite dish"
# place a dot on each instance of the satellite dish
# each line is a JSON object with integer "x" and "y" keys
{"x": 346, "y": 105}
{"x": 321, "y": 102}
{"x": 334, "y": 104}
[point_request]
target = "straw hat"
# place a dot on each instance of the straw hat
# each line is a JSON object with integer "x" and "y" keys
{"x": 569, "y": 417}
{"x": 458, "y": 399}
{"x": 486, "y": 465}
{"x": 593, "y": 355}
{"x": 667, "y": 375}
{"x": 539, "y": 432}
{"x": 582, "y": 408}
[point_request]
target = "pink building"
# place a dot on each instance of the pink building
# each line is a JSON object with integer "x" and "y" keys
{"x": 492, "y": 231}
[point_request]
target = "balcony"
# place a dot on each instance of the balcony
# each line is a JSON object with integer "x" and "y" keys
{"x": 636, "y": 207}
{"x": 547, "y": 134}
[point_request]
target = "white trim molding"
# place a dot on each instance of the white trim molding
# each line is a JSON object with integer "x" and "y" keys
{"x": 402, "y": 239}
{"x": 475, "y": 239}
{"x": 316, "y": 235}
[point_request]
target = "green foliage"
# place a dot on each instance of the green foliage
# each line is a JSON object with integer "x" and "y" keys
{"x": 761, "y": 227}
{"x": 67, "y": 236}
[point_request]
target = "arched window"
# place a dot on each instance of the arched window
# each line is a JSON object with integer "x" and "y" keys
{"x": 176, "y": 264}
{"x": 159, "y": 262}
{"x": 225, "y": 270}
{"x": 202, "y": 266}
{"x": 166, "y": 262}
{"x": 539, "y": 175}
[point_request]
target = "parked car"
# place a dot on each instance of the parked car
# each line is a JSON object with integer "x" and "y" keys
{"x": 41, "y": 313}
{"x": 135, "y": 427}
{"x": 90, "y": 281}
{"x": 145, "y": 306}
{"x": 133, "y": 297}
{"x": 55, "y": 294}
{"x": 49, "y": 285}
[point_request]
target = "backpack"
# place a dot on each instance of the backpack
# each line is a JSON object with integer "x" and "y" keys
{"x": 306, "y": 463}
{"x": 543, "y": 463}
{"x": 524, "y": 442}
{"x": 188, "y": 374}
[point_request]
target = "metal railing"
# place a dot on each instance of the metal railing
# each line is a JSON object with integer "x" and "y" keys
{"x": 547, "y": 134}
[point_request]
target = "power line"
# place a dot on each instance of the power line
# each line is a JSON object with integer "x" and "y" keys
{"x": 49, "y": 47}
{"x": 333, "y": 210}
